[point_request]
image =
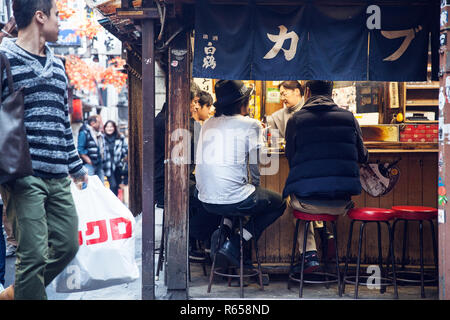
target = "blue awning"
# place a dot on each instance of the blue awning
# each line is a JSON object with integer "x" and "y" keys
{"x": 317, "y": 42}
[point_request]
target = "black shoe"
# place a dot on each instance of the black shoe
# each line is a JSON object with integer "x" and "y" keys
{"x": 224, "y": 234}
{"x": 230, "y": 250}
{"x": 311, "y": 263}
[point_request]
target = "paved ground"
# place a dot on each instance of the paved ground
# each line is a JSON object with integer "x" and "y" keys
{"x": 277, "y": 289}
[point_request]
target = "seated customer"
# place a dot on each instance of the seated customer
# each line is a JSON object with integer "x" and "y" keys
{"x": 228, "y": 146}
{"x": 201, "y": 223}
{"x": 323, "y": 146}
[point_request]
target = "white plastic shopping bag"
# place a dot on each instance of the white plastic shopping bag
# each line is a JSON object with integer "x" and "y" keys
{"x": 106, "y": 234}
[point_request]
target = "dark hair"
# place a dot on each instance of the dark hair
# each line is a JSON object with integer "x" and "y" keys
{"x": 92, "y": 119}
{"x": 231, "y": 109}
{"x": 116, "y": 132}
{"x": 195, "y": 90}
{"x": 205, "y": 99}
{"x": 24, "y": 10}
{"x": 292, "y": 85}
{"x": 320, "y": 87}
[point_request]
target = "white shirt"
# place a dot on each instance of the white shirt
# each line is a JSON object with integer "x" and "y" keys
{"x": 227, "y": 144}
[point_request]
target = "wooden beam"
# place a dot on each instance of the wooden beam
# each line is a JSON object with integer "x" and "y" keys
{"x": 444, "y": 171}
{"x": 134, "y": 67}
{"x": 177, "y": 204}
{"x": 148, "y": 156}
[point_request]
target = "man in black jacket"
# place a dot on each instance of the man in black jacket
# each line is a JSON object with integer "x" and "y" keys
{"x": 323, "y": 146}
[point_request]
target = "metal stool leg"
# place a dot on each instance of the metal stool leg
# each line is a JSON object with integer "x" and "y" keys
{"x": 161, "y": 250}
{"x": 241, "y": 271}
{"x": 435, "y": 249}
{"x": 358, "y": 262}
{"x": 211, "y": 275}
{"x": 393, "y": 241}
{"x": 422, "y": 284}
{"x": 349, "y": 242}
{"x": 405, "y": 238}
{"x": 325, "y": 252}
{"x": 294, "y": 246}
{"x": 391, "y": 246}
{"x": 337, "y": 256}
{"x": 380, "y": 256}
{"x": 305, "y": 234}
{"x": 255, "y": 244}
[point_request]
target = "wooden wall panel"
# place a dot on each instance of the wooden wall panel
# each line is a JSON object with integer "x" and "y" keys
{"x": 135, "y": 116}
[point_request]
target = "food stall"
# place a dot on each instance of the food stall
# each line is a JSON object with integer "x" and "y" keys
{"x": 398, "y": 106}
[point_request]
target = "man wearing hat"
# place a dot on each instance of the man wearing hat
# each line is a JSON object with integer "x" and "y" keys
{"x": 228, "y": 146}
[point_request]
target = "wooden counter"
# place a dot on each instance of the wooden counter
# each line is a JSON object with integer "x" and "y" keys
{"x": 417, "y": 186}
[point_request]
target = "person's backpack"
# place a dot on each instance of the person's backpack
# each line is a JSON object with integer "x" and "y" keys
{"x": 378, "y": 179}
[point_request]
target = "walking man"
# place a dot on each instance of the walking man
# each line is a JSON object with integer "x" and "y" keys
{"x": 40, "y": 205}
{"x": 91, "y": 147}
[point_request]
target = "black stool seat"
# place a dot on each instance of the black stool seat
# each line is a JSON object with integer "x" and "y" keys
{"x": 308, "y": 218}
{"x": 370, "y": 215}
{"x": 241, "y": 274}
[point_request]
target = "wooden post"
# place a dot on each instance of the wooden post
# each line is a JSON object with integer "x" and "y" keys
{"x": 177, "y": 204}
{"x": 148, "y": 151}
{"x": 444, "y": 161}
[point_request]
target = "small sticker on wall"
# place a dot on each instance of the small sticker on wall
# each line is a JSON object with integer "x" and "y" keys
{"x": 441, "y": 216}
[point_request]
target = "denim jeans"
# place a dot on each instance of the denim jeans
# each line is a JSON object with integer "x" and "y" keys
{"x": 93, "y": 170}
{"x": 263, "y": 206}
{"x": 2, "y": 250}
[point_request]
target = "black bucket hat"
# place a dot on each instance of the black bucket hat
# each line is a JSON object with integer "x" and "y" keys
{"x": 230, "y": 91}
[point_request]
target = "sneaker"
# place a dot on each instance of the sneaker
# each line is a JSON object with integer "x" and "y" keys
{"x": 7, "y": 294}
{"x": 10, "y": 250}
{"x": 311, "y": 263}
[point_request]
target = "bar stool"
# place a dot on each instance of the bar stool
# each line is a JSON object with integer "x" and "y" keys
{"x": 241, "y": 274}
{"x": 370, "y": 215}
{"x": 201, "y": 260}
{"x": 160, "y": 252}
{"x": 420, "y": 214}
{"x": 308, "y": 218}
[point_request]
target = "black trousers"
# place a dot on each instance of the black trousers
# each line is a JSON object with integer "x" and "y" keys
{"x": 263, "y": 206}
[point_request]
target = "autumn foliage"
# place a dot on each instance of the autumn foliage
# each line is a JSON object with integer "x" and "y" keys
{"x": 87, "y": 76}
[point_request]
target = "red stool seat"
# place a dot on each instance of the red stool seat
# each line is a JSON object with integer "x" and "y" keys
{"x": 314, "y": 217}
{"x": 415, "y": 212}
{"x": 371, "y": 214}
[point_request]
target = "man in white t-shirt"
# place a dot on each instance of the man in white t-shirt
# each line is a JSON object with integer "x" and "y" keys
{"x": 227, "y": 154}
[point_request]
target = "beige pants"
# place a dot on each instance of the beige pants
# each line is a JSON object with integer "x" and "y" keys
{"x": 294, "y": 203}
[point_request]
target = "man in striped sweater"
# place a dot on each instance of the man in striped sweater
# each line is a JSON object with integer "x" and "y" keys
{"x": 41, "y": 205}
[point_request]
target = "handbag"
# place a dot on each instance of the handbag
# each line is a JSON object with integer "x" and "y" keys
{"x": 15, "y": 159}
{"x": 378, "y": 179}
